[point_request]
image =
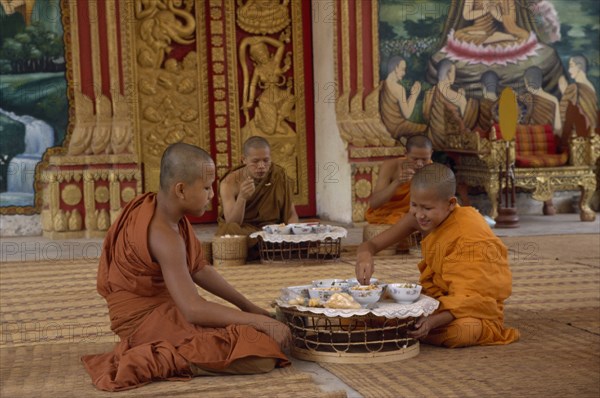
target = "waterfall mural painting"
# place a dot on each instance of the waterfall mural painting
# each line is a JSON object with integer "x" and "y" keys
{"x": 33, "y": 95}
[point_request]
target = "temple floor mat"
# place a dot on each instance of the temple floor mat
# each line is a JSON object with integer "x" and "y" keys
{"x": 51, "y": 314}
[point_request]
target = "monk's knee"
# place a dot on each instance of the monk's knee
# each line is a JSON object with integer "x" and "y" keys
{"x": 462, "y": 332}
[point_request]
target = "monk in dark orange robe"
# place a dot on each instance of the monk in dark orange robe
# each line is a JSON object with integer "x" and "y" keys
{"x": 390, "y": 200}
{"x": 464, "y": 265}
{"x": 255, "y": 194}
{"x": 150, "y": 265}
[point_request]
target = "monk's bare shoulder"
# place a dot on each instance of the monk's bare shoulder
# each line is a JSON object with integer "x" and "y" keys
{"x": 231, "y": 183}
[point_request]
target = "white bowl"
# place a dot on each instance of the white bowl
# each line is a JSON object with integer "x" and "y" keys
{"x": 366, "y": 295}
{"x": 323, "y": 293}
{"x": 321, "y": 228}
{"x": 280, "y": 229}
{"x": 354, "y": 281}
{"x": 301, "y": 229}
{"x": 404, "y": 293}
{"x": 342, "y": 283}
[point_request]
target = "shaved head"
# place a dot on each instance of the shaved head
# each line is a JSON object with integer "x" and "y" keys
{"x": 255, "y": 142}
{"x": 436, "y": 177}
{"x": 183, "y": 163}
{"x": 418, "y": 141}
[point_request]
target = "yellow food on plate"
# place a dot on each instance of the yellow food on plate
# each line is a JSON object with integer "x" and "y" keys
{"x": 297, "y": 301}
{"x": 314, "y": 302}
{"x": 342, "y": 301}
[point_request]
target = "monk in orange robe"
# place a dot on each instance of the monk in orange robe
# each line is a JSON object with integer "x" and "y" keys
{"x": 150, "y": 265}
{"x": 255, "y": 194}
{"x": 464, "y": 266}
{"x": 390, "y": 200}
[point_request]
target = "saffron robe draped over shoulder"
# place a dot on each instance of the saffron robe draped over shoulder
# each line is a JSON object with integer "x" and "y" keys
{"x": 393, "y": 210}
{"x": 465, "y": 267}
{"x": 271, "y": 203}
{"x": 391, "y": 115}
{"x": 585, "y": 97}
{"x": 157, "y": 342}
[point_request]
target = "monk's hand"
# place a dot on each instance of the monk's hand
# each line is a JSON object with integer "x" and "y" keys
{"x": 416, "y": 88}
{"x": 421, "y": 329}
{"x": 255, "y": 309}
{"x": 278, "y": 331}
{"x": 364, "y": 268}
{"x": 247, "y": 188}
{"x": 407, "y": 171}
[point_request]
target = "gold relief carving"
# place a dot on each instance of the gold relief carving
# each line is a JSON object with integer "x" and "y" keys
{"x": 362, "y": 188}
{"x": 71, "y": 194}
{"x": 161, "y": 23}
{"x": 102, "y": 195}
{"x": 223, "y": 159}
{"x": 219, "y": 94}
{"x": 103, "y": 220}
{"x": 216, "y": 13}
{"x": 218, "y": 54}
{"x": 221, "y": 134}
{"x": 81, "y": 137}
{"x": 216, "y": 41}
{"x": 74, "y": 220}
{"x": 59, "y": 221}
{"x": 46, "y": 220}
{"x": 267, "y": 91}
{"x": 220, "y": 121}
{"x": 127, "y": 194}
{"x": 222, "y": 147}
{"x": 221, "y": 171}
{"x": 263, "y": 16}
{"x": 218, "y": 67}
{"x": 216, "y": 27}
{"x": 361, "y": 153}
{"x": 220, "y": 107}
{"x": 358, "y": 211}
{"x": 219, "y": 81}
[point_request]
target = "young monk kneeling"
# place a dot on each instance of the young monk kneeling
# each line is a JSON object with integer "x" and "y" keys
{"x": 150, "y": 265}
{"x": 464, "y": 264}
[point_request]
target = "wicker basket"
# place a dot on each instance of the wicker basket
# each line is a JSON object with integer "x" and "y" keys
{"x": 357, "y": 339}
{"x": 294, "y": 252}
{"x": 229, "y": 250}
{"x": 207, "y": 251}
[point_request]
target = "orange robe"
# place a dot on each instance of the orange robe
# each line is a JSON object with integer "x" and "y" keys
{"x": 465, "y": 267}
{"x": 393, "y": 210}
{"x": 271, "y": 203}
{"x": 157, "y": 342}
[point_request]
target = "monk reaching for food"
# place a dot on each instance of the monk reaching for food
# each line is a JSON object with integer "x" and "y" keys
{"x": 464, "y": 266}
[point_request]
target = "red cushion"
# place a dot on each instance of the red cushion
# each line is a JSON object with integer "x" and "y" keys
{"x": 535, "y": 146}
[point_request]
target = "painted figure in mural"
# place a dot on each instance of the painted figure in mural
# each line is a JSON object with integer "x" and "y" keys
{"x": 149, "y": 271}
{"x": 395, "y": 106}
{"x": 255, "y": 194}
{"x": 471, "y": 288}
{"x": 491, "y": 22}
{"x": 390, "y": 200}
{"x": 542, "y": 107}
{"x": 581, "y": 92}
{"x": 275, "y": 104}
{"x": 442, "y": 98}
{"x": 25, "y": 7}
{"x": 488, "y": 104}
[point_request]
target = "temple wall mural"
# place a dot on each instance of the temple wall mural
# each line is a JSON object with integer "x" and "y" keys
{"x": 33, "y": 96}
{"x": 438, "y": 68}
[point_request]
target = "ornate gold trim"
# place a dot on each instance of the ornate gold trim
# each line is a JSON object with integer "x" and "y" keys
{"x": 360, "y": 86}
{"x": 345, "y": 47}
{"x": 235, "y": 143}
{"x": 375, "y": 41}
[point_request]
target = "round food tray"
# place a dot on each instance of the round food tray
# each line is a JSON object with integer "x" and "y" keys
{"x": 354, "y": 336}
